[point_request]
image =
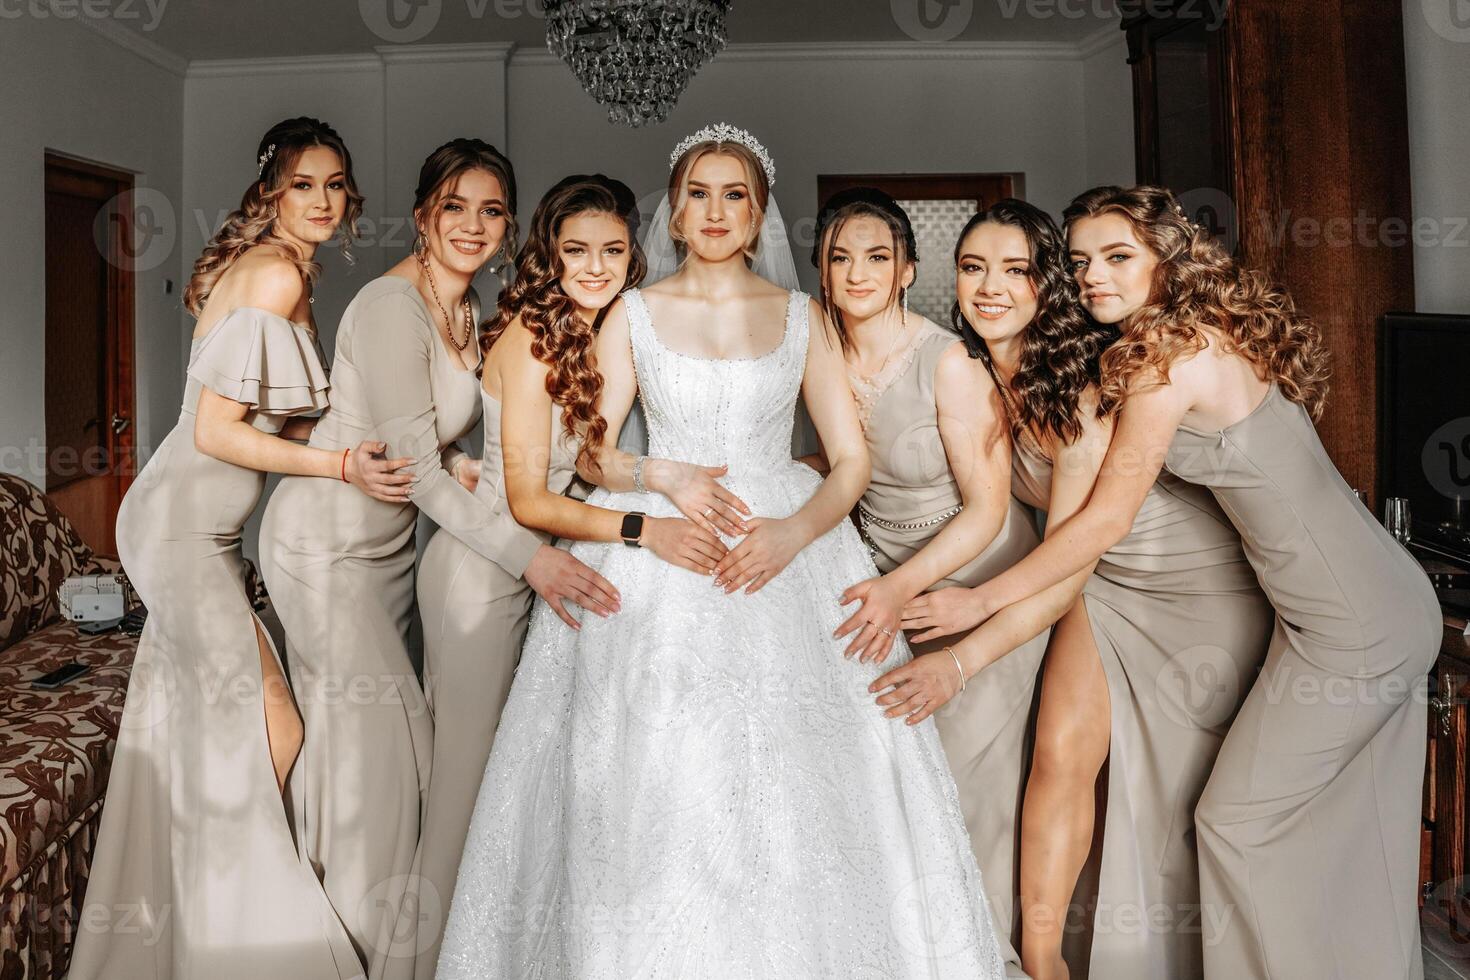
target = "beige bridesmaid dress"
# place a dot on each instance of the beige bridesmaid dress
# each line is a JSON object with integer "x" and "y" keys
{"x": 339, "y": 566}
{"x": 474, "y": 610}
{"x": 911, "y": 496}
{"x": 1181, "y": 627}
{"x": 1309, "y": 826}
{"x": 196, "y": 874}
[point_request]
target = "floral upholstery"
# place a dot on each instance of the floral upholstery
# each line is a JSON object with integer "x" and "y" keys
{"x": 39, "y": 550}
{"x": 55, "y": 746}
{"x": 55, "y": 752}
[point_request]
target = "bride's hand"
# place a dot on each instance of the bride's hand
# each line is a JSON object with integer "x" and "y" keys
{"x": 946, "y": 612}
{"x": 877, "y": 619}
{"x": 760, "y": 557}
{"x": 697, "y": 492}
{"x": 557, "y": 576}
{"x": 918, "y": 688}
{"x": 683, "y": 543}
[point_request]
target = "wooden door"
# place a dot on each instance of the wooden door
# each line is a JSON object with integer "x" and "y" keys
{"x": 89, "y": 346}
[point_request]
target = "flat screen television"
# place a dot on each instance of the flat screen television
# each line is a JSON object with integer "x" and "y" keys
{"x": 1424, "y": 445}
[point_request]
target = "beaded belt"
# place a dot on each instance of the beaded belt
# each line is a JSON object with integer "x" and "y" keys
{"x": 865, "y": 517}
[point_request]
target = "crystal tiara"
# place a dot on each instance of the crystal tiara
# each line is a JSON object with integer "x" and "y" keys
{"x": 726, "y": 133}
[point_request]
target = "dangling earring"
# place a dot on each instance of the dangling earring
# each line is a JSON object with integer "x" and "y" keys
{"x": 420, "y": 245}
{"x": 904, "y": 315}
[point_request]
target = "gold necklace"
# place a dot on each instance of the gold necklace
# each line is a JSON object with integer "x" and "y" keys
{"x": 469, "y": 320}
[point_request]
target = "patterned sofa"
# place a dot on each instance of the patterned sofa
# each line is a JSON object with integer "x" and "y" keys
{"x": 55, "y": 746}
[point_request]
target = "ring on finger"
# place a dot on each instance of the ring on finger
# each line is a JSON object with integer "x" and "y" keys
{"x": 885, "y": 631}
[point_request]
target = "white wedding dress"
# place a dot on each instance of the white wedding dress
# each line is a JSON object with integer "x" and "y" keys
{"x": 700, "y": 786}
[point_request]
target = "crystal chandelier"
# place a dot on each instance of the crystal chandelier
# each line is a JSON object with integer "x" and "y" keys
{"x": 636, "y": 56}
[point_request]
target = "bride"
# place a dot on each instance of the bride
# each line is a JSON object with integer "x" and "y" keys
{"x": 700, "y": 786}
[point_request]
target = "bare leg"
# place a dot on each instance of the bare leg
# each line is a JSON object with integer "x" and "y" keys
{"x": 283, "y": 726}
{"x": 1073, "y": 727}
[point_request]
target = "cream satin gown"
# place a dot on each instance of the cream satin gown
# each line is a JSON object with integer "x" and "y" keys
{"x": 196, "y": 874}
{"x": 985, "y": 732}
{"x": 339, "y": 566}
{"x": 1309, "y": 826}
{"x": 1181, "y": 627}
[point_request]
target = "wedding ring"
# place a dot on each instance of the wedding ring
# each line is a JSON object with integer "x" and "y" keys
{"x": 885, "y": 632}
{"x": 708, "y": 511}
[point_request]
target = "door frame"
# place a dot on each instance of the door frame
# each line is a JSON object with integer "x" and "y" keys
{"x": 70, "y": 175}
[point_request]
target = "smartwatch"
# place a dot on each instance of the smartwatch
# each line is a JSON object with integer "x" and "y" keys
{"x": 632, "y": 528}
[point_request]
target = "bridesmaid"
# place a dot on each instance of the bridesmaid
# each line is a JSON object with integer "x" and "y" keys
{"x": 1309, "y": 827}
{"x": 341, "y": 568}
{"x": 938, "y": 510}
{"x": 196, "y": 873}
{"x": 1169, "y": 608}
{"x": 581, "y": 252}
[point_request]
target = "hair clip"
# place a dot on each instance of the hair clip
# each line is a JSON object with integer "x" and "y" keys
{"x": 265, "y": 158}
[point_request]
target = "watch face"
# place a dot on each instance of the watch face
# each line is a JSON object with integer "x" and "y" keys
{"x": 632, "y": 527}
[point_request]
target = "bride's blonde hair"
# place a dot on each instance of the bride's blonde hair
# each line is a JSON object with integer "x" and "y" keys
{"x": 755, "y": 179}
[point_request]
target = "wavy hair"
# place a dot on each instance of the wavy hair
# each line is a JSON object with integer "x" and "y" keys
{"x": 844, "y": 206}
{"x": 1197, "y": 284}
{"x": 561, "y": 339}
{"x": 253, "y": 223}
{"x": 444, "y": 166}
{"x": 1061, "y": 345}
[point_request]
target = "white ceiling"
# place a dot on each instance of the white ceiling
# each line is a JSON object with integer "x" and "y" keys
{"x": 211, "y": 29}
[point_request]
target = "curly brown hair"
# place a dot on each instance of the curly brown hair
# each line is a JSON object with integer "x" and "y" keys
{"x": 1197, "y": 284}
{"x": 561, "y": 339}
{"x": 253, "y": 223}
{"x": 1061, "y": 345}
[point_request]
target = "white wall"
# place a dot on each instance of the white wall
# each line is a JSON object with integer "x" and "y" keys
{"x": 1437, "y": 53}
{"x": 70, "y": 90}
{"x": 391, "y": 108}
{"x": 1038, "y": 109}
{"x": 821, "y": 109}
{"x": 1107, "y": 96}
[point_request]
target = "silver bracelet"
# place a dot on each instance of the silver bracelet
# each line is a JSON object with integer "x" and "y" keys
{"x": 957, "y": 667}
{"x": 638, "y": 474}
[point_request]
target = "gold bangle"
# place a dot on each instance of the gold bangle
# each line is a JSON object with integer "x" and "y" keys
{"x": 950, "y": 651}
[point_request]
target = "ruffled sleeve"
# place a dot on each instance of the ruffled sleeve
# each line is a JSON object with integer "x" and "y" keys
{"x": 261, "y": 360}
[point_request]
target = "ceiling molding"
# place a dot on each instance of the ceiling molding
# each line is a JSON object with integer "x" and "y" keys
{"x": 510, "y": 52}
{"x": 870, "y": 51}
{"x": 427, "y": 54}
{"x": 138, "y": 44}
{"x": 313, "y": 64}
